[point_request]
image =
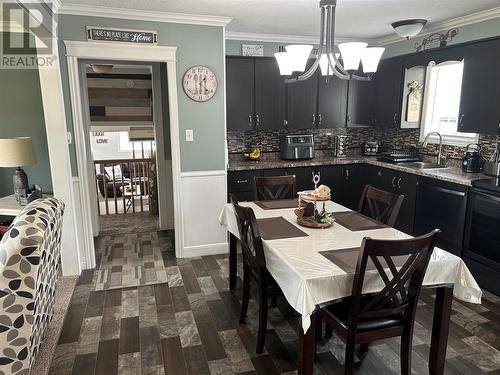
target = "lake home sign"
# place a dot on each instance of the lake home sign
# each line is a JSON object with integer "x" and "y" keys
{"x": 105, "y": 34}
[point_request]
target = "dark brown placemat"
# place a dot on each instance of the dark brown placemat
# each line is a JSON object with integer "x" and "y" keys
{"x": 347, "y": 259}
{"x": 277, "y": 204}
{"x": 277, "y": 228}
{"x": 355, "y": 221}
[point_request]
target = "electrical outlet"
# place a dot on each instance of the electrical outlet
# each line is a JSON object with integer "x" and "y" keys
{"x": 189, "y": 135}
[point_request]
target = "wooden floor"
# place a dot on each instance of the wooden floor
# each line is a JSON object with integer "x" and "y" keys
{"x": 190, "y": 326}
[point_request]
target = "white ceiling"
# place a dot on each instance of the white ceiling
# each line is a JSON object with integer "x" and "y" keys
{"x": 355, "y": 18}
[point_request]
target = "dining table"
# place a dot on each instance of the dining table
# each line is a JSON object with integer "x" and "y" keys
{"x": 314, "y": 267}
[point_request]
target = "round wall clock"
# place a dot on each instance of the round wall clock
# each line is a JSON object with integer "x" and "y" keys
{"x": 200, "y": 83}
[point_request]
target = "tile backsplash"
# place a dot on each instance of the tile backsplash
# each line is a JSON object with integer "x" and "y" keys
{"x": 268, "y": 140}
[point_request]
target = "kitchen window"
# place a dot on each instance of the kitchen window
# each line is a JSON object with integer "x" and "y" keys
{"x": 442, "y": 104}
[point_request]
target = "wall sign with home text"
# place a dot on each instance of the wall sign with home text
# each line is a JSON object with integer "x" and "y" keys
{"x": 106, "y": 34}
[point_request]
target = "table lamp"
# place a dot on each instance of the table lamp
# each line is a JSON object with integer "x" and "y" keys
{"x": 17, "y": 153}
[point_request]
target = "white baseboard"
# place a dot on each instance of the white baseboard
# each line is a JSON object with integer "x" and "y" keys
{"x": 201, "y": 250}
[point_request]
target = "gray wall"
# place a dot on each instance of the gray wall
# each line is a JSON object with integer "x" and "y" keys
{"x": 21, "y": 114}
{"x": 196, "y": 45}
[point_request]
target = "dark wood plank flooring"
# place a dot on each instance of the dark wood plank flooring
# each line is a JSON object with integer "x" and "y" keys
{"x": 191, "y": 327}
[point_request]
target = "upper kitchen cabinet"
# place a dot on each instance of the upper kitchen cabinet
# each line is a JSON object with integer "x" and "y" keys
{"x": 360, "y": 104}
{"x": 269, "y": 94}
{"x": 240, "y": 93}
{"x": 332, "y": 103}
{"x": 301, "y": 103}
{"x": 255, "y": 93}
{"x": 388, "y": 88}
{"x": 479, "y": 109}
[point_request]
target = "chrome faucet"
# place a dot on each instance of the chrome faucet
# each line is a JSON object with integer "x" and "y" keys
{"x": 440, "y": 151}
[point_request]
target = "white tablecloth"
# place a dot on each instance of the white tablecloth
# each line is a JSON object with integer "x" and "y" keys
{"x": 308, "y": 279}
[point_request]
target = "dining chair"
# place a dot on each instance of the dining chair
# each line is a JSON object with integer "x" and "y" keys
{"x": 274, "y": 187}
{"x": 363, "y": 318}
{"x": 380, "y": 205}
{"x": 254, "y": 267}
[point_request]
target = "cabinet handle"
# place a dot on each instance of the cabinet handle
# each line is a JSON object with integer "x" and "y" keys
{"x": 347, "y": 174}
{"x": 320, "y": 119}
{"x": 394, "y": 182}
{"x": 395, "y": 119}
{"x": 399, "y": 183}
{"x": 349, "y": 118}
{"x": 314, "y": 119}
{"x": 241, "y": 181}
{"x": 257, "y": 121}
{"x": 250, "y": 121}
{"x": 461, "y": 120}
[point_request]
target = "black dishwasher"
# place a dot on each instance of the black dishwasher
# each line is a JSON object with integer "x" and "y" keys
{"x": 482, "y": 235}
{"x": 443, "y": 205}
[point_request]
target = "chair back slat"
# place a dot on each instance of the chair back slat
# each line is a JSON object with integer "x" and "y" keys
{"x": 401, "y": 285}
{"x": 250, "y": 239}
{"x": 380, "y": 205}
{"x": 274, "y": 187}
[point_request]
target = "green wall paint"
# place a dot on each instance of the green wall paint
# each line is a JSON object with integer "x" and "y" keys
{"x": 21, "y": 114}
{"x": 195, "y": 45}
{"x": 480, "y": 30}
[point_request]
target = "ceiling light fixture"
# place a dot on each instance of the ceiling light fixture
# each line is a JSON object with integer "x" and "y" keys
{"x": 101, "y": 68}
{"x": 409, "y": 28}
{"x": 292, "y": 62}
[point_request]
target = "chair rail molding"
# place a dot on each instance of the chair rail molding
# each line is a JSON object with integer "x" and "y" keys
{"x": 75, "y": 51}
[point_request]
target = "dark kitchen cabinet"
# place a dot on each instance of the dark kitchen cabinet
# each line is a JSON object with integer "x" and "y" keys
{"x": 360, "y": 103}
{"x": 302, "y": 104}
{"x": 269, "y": 95}
{"x": 388, "y": 89}
{"x": 332, "y": 102}
{"x": 255, "y": 94}
{"x": 303, "y": 176}
{"x": 405, "y": 184}
{"x": 333, "y": 177}
{"x": 354, "y": 182}
{"x": 240, "y": 93}
{"x": 479, "y": 109}
{"x": 240, "y": 183}
{"x": 442, "y": 205}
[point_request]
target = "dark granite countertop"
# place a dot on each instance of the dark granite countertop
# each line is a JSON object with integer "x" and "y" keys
{"x": 450, "y": 174}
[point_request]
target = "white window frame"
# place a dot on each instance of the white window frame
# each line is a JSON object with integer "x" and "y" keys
{"x": 450, "y": 140}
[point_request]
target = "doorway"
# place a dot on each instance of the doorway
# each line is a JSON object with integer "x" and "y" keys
{"x": 122, "y": 113}
{"x": 78, "y": 54}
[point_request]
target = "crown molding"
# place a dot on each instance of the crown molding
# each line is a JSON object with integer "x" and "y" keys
{"x": 279, "y": 38}
{"x": 458, "y": 22}
{"x": 142, "y": 15}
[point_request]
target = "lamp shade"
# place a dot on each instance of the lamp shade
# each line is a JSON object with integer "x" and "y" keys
{"x": 284, "y": 63}
{"x": 370, "y": 59}
{"x": 351, "y": 54}
{"x": 16, "y": 152}
{"x": 298, "y": 54}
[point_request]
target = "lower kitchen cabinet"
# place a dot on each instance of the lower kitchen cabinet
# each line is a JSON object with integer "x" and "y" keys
{"x": 405, "y": 184}
{"x": 333, "y": 177}
{"x": 303, "y": 176}
{"x": 442, "y": 205}
{"x": 354, "y": 183}
{"x": 240, "y": 183}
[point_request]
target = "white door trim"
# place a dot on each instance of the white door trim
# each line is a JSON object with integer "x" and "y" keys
{"x": 76, "y": 50}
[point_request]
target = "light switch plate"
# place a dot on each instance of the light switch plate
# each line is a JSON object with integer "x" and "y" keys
{"x": 189, "y": 135}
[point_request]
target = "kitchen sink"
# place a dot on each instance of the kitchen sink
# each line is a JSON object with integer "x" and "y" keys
{"x": 423, "y": 165}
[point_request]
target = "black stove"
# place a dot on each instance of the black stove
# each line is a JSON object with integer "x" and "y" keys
{"x": 491, "y": 184}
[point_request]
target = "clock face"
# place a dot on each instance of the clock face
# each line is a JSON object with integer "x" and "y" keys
{"x": 199, "y": 83}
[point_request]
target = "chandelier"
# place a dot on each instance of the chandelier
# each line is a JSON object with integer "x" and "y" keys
{"x": 292, "y": 62}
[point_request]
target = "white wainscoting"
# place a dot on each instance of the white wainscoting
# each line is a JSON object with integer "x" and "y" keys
{"x": 202, "y": 195}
